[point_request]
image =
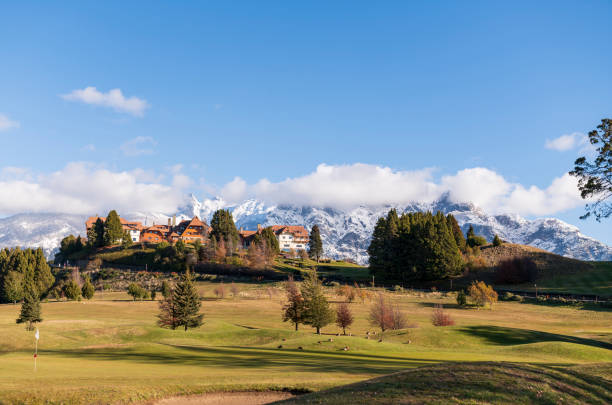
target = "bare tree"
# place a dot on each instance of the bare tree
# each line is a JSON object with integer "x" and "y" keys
{"x": 386, "y": 316}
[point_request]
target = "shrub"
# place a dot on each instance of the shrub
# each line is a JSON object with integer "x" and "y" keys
{"x": 398, "y": 288}
{"x": 441, "y": 318}
{"x": 72, "y": 290}
{"x": 497, "y": 241}
{"x": 516, "y": 271}
{"x": 476, "y": 240}
{"x": 88, "y": 289}
{"x": 508, "y": 296}
{"x": 461, "y": 298}
{"x": 234, "y": 289}
{"x": 137, "y": 292}
{"x": 482, "y": 294}
{"x": 153, "y": 295}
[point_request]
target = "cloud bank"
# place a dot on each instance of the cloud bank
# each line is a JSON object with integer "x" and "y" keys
{"x": 572, "y": 141}
{"x": 113, "y": 99}
{"x": 347, "y": 186}
{"x": 6, "y": 123}
{"x": 84, "y": 188}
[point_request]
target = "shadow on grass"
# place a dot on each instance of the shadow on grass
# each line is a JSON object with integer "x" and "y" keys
{"x": 512, "y": 336}
{"x": 252, "y": 358}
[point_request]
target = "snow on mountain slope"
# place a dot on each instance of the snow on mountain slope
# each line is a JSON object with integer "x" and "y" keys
{"x": 345, "y": 233}
{"x": 39, "y": 230}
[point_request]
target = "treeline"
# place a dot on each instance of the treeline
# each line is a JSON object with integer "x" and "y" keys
{"x": 24, "y": 272}
{"x": 416, "y": 246}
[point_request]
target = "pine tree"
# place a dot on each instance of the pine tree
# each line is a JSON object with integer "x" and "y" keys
{"x": 113, "y": 230}
{"x": 271, "y": 242}
{"x": 30, "y": 308}
{"x": 318, "y": 312}
{"x": 126, "y": 240}
{"x": 72, "y": 290}
{"x": 294, "y": 310}
{"x": 168, "y": 315}
{"x": 497, "y": 241}
{"x": 224, "y": 228}
{"x": 457, "y": 233}
{"x": 95, "y": 234}
{"x": 187, "y": 303}
{"x": 13, "y": 287}
{"x": 87, "y": 291}
{"x": 470, "y": 232}
{"x": 315, "y": 245}
{"x": 43, "y": 277}
{"x": 165, "y": 289}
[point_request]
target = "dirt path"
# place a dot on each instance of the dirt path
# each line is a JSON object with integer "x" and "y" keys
{"x": 227, "y": 398}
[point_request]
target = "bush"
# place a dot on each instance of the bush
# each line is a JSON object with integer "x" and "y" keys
{"x": 476, "y": 240}
{"x": 441, "y": 318}
{"x": 87, "y": 291}
{"x": 220, "y": 291}
{"x": 516, "y": 271}
{"x": 497, "y": 241}
{"x": 137, "y": 292}
{"x": 72, "y": 291}
{"x": 461, "y": 298}
{"x": 482, "y": 294}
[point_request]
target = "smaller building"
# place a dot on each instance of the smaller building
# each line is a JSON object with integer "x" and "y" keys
{"x": 289, "y": 237}
{"x": 133, "y": 227}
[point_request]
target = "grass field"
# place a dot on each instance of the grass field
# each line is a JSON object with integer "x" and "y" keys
{"x": 109, "y": 349}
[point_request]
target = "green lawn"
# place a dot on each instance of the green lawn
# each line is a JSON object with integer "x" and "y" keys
{"x": 109, "y": 349}
{"x": 597, "y": 281}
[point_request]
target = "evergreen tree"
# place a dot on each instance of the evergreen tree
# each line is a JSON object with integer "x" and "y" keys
{"x": 315, "y": 245}
{"x": 187, "y": 303}
{"x": 271, "y": 242}
{"x": 113, "y": 230}
{"x": 318, "y": 312}
{"x": 13, "y": 287}
{"x": 497, "y": 241}
{"x": 294, "y": 310}
{"x": 470, "y": 232}
{"x": 95, "y": 234}
{"x": 126, "y": 240}
{"x": 87, "y": 291}
{"x": 165, "y": 289}
{"x": 457, "y": 233}
{"x": 168, "y": 314}
{"x": 30, "y": 308}
{"x": 223, "y": 227}
{"x": 72, "y": 290}
{"x": 43, "y": 277}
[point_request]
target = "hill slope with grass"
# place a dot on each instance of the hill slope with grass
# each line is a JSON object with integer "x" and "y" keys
{"x": 474, "y": 383}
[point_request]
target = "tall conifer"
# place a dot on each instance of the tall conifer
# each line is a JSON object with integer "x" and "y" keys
{"x": 315, "y": 245}
{"x": 187, "y": 303}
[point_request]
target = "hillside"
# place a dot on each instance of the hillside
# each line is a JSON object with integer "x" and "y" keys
{"x": 474, "y": 383}
{"x": 345, "y": 232}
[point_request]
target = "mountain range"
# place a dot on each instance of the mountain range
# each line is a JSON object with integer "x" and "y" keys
{"x": 345, "y": 232}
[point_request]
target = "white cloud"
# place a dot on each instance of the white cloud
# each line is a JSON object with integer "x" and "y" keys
{"x": 568, "y": 142}
{"x": 113, "y": 99}
{"x": 141, "y": 145}
{"x": 347, "y": 186}
{"x": 89, "y": 147}
{"x": 82, "y": 188}
{"x": 6, "y": 123}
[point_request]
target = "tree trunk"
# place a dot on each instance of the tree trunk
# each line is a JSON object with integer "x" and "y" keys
{"x": 344, "y": 331}
{"x": 296, "y": 326}
{"x": 185, "y": 328}
{"x": 318, "y": 330}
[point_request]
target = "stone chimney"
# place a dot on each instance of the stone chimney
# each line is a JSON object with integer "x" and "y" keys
{"x": 258, "y": 227}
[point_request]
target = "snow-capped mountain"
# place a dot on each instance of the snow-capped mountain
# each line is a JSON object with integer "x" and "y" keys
{"x": 345, "y": 233}
{"x": 39, "y": 230}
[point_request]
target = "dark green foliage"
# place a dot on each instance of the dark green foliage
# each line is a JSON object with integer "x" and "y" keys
{"x": 271, "y": 242}
{"x": 30, "y": 308}
{"x": 457, "y": 233}
{"x": 187, "y": 304}
{"x": 68, "y": 246}
{"x": 153, "y": 295}
{"x": 179, "y": 246}
{"x": 87, "y": 291}
{"x": 72, "y": 291}
{"x": 19, "y": 268}
{"x": 497, "y": 241}
{"x": 95, "y": 235}
{"x": 476, "y": 240}
{"x": 113, "y": 230}
{"x": 415, "y": 246}
{"x": 126, "y": 240}
{"x": 595, "y": 178}
{"x": 317, "y": 310}
{"x": 165, "y": 289}
{"x": 137, "y": 292}
{"x": 516, "y": 271}
{"x": 315, "y": 245}
{"x": 223, "y": 227}
{"x": 461, "y": 298}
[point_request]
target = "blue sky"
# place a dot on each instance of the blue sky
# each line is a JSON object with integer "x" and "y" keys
{"x": 272, "y": 90}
